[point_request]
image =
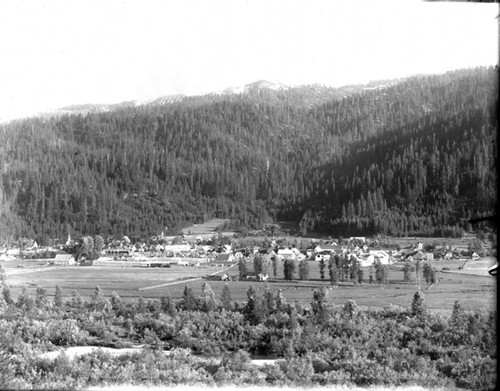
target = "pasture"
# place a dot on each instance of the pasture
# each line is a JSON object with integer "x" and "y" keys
{"x": 472, "y": 287}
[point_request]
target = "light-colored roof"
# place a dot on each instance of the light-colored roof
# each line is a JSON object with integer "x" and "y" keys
{"x": 63, "y": 257}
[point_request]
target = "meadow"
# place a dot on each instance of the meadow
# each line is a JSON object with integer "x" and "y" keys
{"x": 472, "y": 286}
{"x": 206, "y": 230}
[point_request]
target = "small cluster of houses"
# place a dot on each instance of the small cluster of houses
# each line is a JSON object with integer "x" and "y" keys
{"x": 178, "y": 250}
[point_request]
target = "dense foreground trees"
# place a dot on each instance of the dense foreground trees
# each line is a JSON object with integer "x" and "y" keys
{"x": 323, "y": 345}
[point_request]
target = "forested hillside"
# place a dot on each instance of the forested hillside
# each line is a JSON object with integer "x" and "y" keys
{"x": 417, "y": 156}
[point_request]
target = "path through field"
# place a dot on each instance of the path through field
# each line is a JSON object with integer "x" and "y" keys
{"x": 183, "y": 281}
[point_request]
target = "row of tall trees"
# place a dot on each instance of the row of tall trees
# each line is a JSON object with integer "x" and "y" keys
{"x": 414, "y": 157}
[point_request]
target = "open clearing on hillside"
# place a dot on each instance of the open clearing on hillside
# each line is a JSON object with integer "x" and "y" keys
{"x": 206, "y": 230}
{"x": 472, "y": 290}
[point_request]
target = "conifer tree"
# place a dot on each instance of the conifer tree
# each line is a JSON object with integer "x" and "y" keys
{"x": 116, "y": 302}
{"x": 208, "y": 297}
{"x": 141, "y": 305}
{"x": 98, "y": 298}
{"x": 457, "y": 318}
{"x": 426, "y": 272}
{"x": 270, "y": 301}
{"x": 418, "y": 304}
{"x": 167, "y": 305}
{"x": 3, "y": 276}
{"x": 292, "y": 320}
{"x": 226, "y": 298}
{"x": 76, "y": 300}
{"x": 350, "y": 308}
{"x": 318, "y": 305}
{"x": 6, "y": 295}
{"x": 280, "y": 300}
{"x": 24, "y": 300}
{"x": 58, "y": 301}
{"x": 40, "y": 298}
{"x": 252, "y": 308}
{"x": 188, "y": 299}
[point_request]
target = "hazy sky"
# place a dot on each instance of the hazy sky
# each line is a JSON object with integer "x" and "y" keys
{"x": 59, "y": 52}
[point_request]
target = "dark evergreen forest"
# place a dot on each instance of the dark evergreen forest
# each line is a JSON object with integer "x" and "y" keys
{"x": 412, "y": 157}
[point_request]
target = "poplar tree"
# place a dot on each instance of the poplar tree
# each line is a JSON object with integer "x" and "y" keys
{"x": 332, "y": 269}
{"x": 242, "y": 268}
{"x": 322, "y": 265}
{"x": 407, "y": 270}
{"x": 275, "y": 266}
{"x": 304, "y": 269}
{"x": 289, "y": 269}
{"x": 257, "y": 264}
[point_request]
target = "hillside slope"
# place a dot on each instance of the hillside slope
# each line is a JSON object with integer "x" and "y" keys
{"x": 411, "y": 157}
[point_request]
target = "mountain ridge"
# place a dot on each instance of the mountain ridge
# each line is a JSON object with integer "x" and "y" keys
{"x": 259, "y": 86}
{"x": 416, "y": 157}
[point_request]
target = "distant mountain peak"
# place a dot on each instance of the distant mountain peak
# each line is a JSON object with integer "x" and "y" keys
{"x": 255, "y": 86}
{"x": 266, "y": 84}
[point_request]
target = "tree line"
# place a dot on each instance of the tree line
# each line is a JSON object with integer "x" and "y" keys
{"x": 414, "y": 158}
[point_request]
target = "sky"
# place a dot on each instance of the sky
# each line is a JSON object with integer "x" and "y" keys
{"x": 55, "y": 53}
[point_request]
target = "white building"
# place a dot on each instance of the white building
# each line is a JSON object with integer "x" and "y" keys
{"x": 177, "y": 248}
{"x": 64, "y": 260}
{"x": 382, "y": 256}
{"x": 292, "y": 253}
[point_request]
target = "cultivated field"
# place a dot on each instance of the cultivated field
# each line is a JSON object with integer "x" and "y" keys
{"x": 472, "y": 286}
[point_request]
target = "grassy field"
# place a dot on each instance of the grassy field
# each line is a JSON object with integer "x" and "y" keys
{"x": 206, "y": 230}
{"x": 454, "y": 243}
{"x": 471, "y": 286}
{"x": 126, "y": 281}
